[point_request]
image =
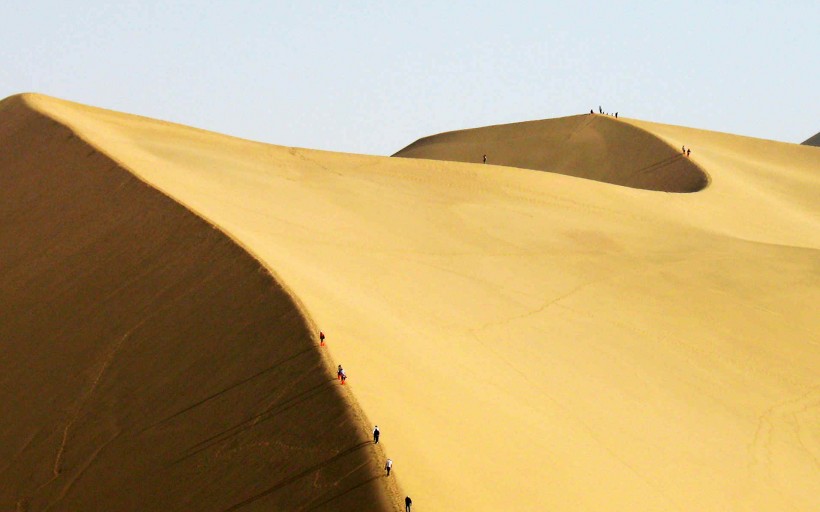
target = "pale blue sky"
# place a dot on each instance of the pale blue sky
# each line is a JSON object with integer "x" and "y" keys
{"x": 371, "y": 77}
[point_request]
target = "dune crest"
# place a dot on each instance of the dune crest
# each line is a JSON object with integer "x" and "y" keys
{"x": 591, "y": 146}
{"x": 149, "y": 363}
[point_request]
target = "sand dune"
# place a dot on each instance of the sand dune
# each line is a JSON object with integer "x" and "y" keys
{"x": 149, "y": 363}
{"x": 812, "y": 141}
{"x": 533, "y": 341}
{"x": 597, "y": 147}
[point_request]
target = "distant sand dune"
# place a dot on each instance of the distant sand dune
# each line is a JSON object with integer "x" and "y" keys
{"x": 525, "y": 340}
{"x": 149, "y": 363}
{"x": 592, "y": 146}
{"x": 812, "y": 141}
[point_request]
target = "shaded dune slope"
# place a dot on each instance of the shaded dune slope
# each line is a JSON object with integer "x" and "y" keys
{"x": 812, "y": 141}
{"x": 588, "y": 146}
{"x": 149, "y": 363}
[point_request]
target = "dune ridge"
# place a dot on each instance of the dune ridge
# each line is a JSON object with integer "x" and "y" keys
{"x": 528, "y": 340}
{"x": 591, "y": 146}
{"x": 150, "y": 363}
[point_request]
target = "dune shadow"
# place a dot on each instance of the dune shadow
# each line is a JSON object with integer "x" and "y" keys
{"x": 660, "y": 164}
{"x": 229, "y": 388}
{"x": 343, "y": 493}
{"x": 293, "y": 478}
{"x": 267, "y": 414}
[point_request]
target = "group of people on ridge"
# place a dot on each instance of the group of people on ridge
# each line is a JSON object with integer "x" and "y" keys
{"x": 601, "y": 111}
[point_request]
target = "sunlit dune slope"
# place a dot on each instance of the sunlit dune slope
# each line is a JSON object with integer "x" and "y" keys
{"x": 813, "y": 141}
{"x": 533, "y": 341}
{"x": 596, "y": 147}
{"x": 148, "y": 362}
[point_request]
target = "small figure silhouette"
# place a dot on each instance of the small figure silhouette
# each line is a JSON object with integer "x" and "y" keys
{"x": 343, "y": 377}
{"x": 600, "y": 110}
{"x": 616, "y": 115}
{"x": 485, "y": 159}
{"x": 388, "y": 466}
{"x": 591, "y": 112}
{"x": 321, "y": 338}
{"x": 339, "y": 372}
{"x": 683, "y": 149}
{"x": 407, "y": 503}
{"x": 376, "y": 435}
{"x": 687, "y": 152}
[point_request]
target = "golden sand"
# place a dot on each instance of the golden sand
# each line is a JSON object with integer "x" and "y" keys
{"x": 534, "y": 341}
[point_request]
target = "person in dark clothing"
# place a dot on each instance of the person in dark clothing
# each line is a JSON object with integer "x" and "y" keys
{"x": 321, "y": 338}
{"x": 616, "y": 115}
{"x": 687, "y": 152}
{"x": 485, "y": 159}
{"x": 600, "y": 110}
{"x": 376, "y": 435}
{"x": 407, "y": 503}
{"x": 339, "y": 372}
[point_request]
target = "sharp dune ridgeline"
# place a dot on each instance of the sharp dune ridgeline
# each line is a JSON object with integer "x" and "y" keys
{"x": 148, "y": 362}
{"x": 592, "y": 146}
{"x": 525, "y": 340}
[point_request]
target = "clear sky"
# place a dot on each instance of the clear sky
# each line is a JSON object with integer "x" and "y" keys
{"x": 371, "y": 77}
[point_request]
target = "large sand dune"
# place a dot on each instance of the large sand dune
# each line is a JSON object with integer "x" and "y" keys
{"x": 592, "y": 146}
{"x": 148, "y": 362}
{"x": 533, "y": 341}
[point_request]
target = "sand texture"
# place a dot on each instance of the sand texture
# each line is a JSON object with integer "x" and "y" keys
{"x": 526, "y": 340}
{"x": 148, "y": 362}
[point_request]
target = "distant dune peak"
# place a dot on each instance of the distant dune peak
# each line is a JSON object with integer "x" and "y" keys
{"x": 812, "y": 141}
{"x": 591, "y": 146}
